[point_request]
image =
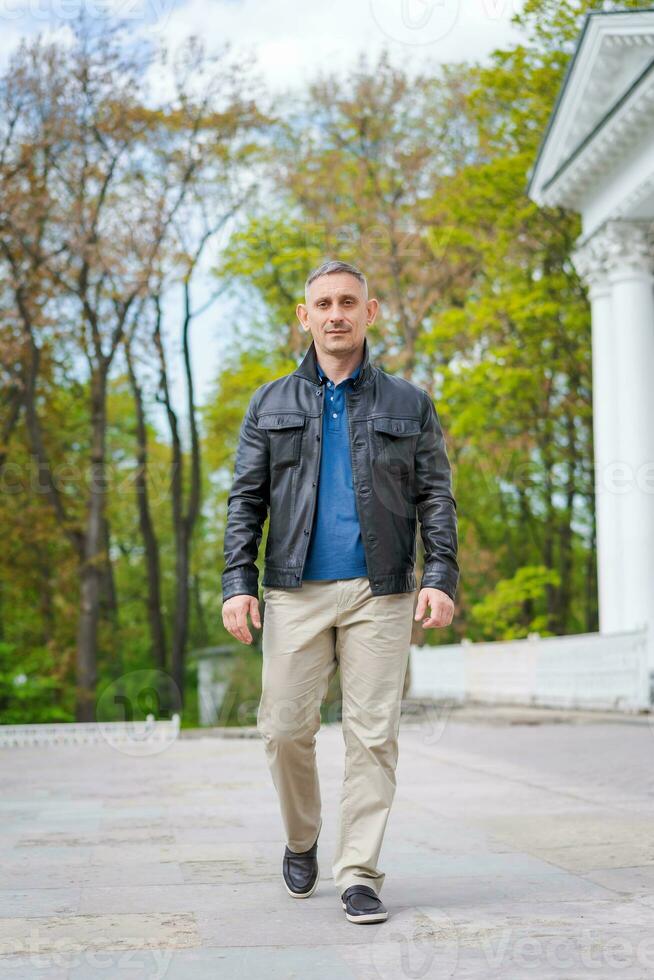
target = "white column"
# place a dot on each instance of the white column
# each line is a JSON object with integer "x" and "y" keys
{"x": 618, "y": 265}
{"x": 590, "y": 262}
{"x": 631, "y": 272}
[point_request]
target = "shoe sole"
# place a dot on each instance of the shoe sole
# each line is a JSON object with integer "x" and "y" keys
{"x": 371, "y": 917}
{"x": 302, "y": 894}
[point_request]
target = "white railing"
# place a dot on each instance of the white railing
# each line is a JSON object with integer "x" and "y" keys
{"x": 133, "y": 737}
{"x": 587, "y": 670}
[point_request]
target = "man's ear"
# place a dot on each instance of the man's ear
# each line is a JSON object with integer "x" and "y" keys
{"x": 302, "y": 314}
{"x": 373, "y": 309}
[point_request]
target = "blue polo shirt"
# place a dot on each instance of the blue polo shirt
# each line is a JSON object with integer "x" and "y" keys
{"x": 335, "y": 547}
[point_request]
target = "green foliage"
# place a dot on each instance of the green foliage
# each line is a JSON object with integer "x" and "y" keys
{"x": 516, "y": 606}
{"x": 554, "y": 27}
{"x": 243, "y": 371}
{"x": 32, "y": 688}
{"x": 270, "y": 254}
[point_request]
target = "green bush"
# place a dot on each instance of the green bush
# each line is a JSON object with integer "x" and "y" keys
{"x": 31, "y": 688}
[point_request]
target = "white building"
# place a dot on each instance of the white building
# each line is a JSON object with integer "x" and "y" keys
{"x": 597, "y": 158}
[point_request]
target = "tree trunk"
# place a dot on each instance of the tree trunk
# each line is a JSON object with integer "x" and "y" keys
{"x": 150, "y": 543}
{"x": 203, "y": 632}
{"x": 591, "y": 597}
{"x": 183, "y": 523}
{"x": 180, "y": 625}
{"x": 108, "y": 596}
{"x": 566, "y": 535}
{"x": 93, "y": 557}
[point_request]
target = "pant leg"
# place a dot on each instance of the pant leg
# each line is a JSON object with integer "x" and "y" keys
{"x": 298, "y": 643}
{"x": 373, "y": 640}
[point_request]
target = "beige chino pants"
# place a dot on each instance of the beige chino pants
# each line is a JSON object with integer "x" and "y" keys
{"x": 307, "y": 634}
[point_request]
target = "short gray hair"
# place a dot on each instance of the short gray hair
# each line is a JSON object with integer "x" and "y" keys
{"x": 329, "y": 268}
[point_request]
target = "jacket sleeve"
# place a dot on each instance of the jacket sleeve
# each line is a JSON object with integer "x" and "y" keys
{"x": 436, "y": 506}
{"x": 247, "y": 509}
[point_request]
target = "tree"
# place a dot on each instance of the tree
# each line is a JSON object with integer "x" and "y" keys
{"x": 92, "y": 180}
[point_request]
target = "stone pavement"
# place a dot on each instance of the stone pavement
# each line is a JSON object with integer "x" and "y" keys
{"x": 520, "y": 845}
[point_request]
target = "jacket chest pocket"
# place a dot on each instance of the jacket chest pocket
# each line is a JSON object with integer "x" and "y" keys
{"x": 284, "y": 431}
{"x": 395, "y": 441}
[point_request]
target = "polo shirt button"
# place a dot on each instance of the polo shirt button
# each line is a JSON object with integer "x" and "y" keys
{"x": 305, "y": 531}
{"x": 334, "y": 415}
{"x": 318, "y": 438}
{"x": 313, "y": 484}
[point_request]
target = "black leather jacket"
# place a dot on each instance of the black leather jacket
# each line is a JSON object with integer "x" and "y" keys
{"x": 400, "y": 471}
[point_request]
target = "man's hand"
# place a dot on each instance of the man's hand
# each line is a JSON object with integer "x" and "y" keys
{"x": 235, "y": 613}
{"x": 440, "y": 604}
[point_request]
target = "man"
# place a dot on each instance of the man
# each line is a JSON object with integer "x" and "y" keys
{"x": 347, "y": 458}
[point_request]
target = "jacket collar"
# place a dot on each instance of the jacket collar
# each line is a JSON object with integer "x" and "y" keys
{"x": 308, "y": 367}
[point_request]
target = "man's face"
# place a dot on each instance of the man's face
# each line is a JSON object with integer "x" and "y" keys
{"x": 337, "y": 313}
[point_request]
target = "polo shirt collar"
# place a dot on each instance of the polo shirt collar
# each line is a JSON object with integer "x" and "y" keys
{"x": 309, "y": 364}
{"x": 351, "y": 377}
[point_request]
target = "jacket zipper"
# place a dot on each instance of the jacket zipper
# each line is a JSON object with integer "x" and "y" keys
{"x": 355, "y": 484}
{"x": 313, "y": 508}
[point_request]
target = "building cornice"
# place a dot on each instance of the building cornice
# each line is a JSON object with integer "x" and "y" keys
{"x": 607, "y": 86}
{"x": 611, "y": 138}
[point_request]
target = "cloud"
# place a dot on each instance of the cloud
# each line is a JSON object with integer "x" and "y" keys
{"x": 292, "y": 40}
{"x": 289, "y": 42}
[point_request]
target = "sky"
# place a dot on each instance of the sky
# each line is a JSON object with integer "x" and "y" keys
{"x": 288, "y": 42}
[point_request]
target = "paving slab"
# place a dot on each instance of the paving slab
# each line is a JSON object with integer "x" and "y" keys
{"x": 520, "y": 845}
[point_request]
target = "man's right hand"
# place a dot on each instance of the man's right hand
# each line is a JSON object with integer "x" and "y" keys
{"x": 235, "y": 613}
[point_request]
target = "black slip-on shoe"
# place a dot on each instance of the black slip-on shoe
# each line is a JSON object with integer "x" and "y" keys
{"x": 301, "y": 871}
{"x": 363, "y": 904}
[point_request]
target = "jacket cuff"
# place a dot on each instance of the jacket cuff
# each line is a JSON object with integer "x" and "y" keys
{"x": 243, "y": 580}
{"x": 440, "y": 577}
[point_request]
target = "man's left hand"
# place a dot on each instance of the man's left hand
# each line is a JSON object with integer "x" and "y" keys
{"x": 440, "y": 605}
